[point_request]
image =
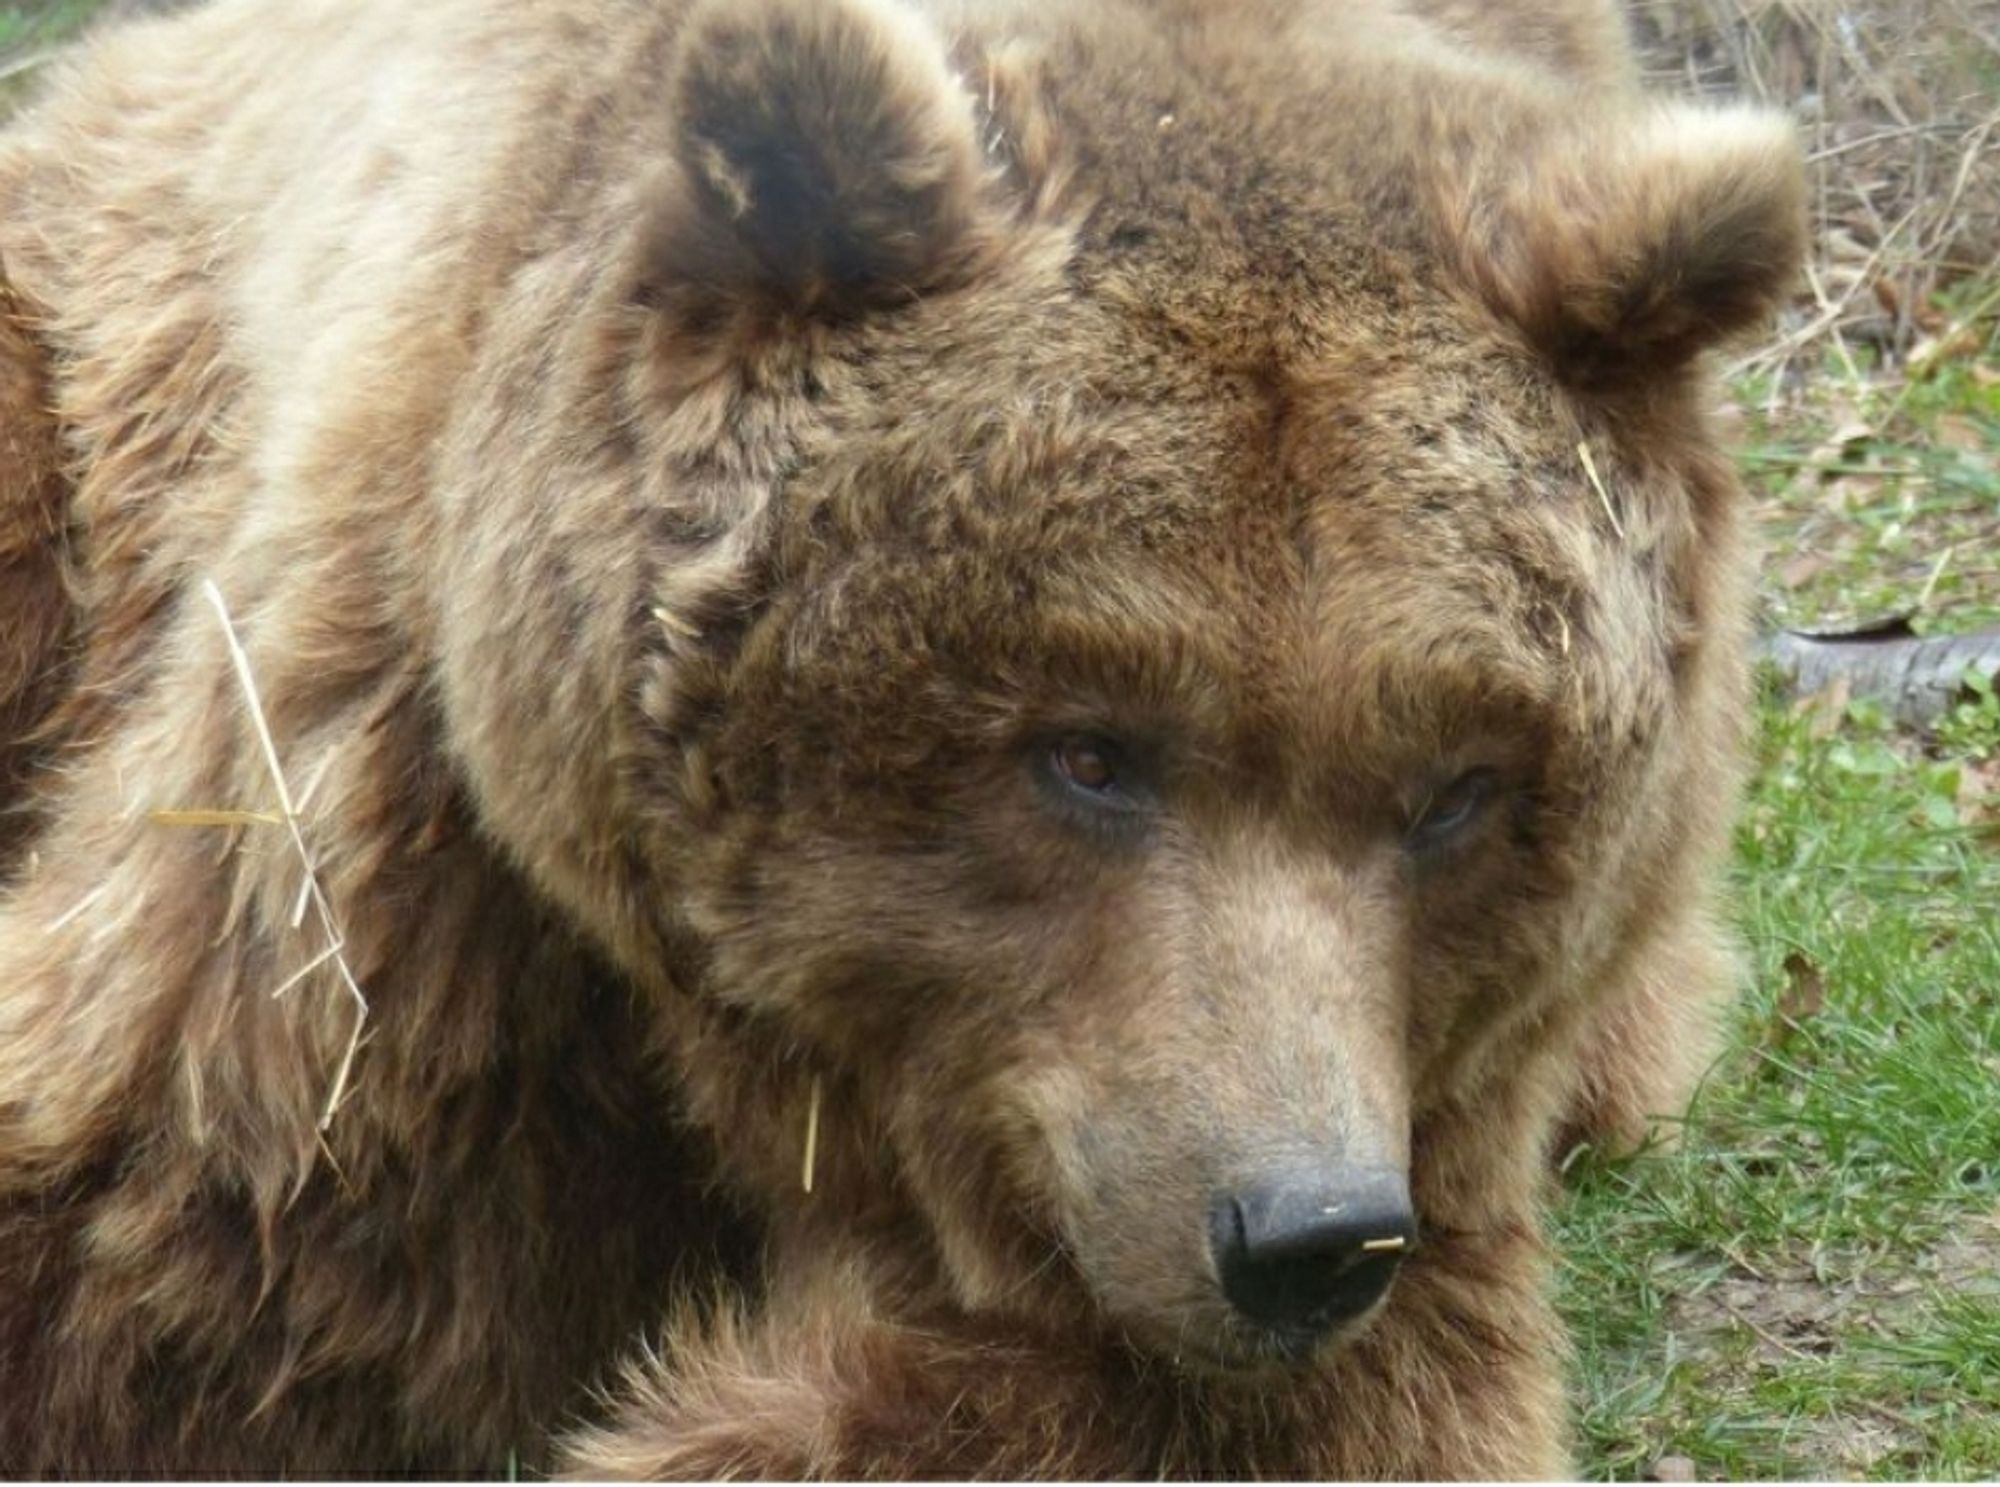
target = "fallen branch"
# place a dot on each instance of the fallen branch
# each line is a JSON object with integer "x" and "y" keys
{"x": 1916, "y": 677}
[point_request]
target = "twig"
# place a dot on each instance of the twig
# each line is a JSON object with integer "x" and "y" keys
{"x": 1882, "y": 136}
{"x": 1810, "y": 331}
{"x": 1771, "y": 1337}
{"x": 1936, "y": 573}
{"x": 1839, "y": 341}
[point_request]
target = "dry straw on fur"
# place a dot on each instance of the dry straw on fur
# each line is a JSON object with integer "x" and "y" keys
{"x": 812, "y": 1136}
{"x": 1597, "y": 484}
{"x": 334, "y": 952}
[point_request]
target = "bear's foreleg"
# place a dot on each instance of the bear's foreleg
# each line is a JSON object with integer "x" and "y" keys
{"x": 821, "y": 1385}
{"x": 1461, "y": 1378}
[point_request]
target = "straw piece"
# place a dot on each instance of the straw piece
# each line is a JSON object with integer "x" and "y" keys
{"x": 215, "y": 818}
{"x": 1597, "y": 484}
{"x": 812, "y": 1134}
{"x": 247, "y": 680}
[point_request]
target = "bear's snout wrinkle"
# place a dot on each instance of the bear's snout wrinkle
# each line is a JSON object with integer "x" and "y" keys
{"x": 1300, "y": 1253}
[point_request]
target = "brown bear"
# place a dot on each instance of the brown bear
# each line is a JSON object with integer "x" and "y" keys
{"x": 814, "y": 737}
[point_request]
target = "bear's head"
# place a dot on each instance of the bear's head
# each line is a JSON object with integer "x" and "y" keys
{"x": 1133, "y": 607}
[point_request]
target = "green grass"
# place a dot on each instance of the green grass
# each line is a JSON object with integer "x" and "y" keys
{"x": 31, "y": 31}
{"x": 1809, "y": 1285}
{"x": 40, "y": 24}
{"x": 1881, "y": 493}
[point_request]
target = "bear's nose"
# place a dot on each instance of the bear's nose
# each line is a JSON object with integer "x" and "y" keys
{"x": 1307, "y": 1252}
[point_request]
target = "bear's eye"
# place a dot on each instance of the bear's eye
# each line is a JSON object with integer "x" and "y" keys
{"x": 1096, "y": 774}
{"x": 1453, "y": 808}
{"x": 1086, "y": 764}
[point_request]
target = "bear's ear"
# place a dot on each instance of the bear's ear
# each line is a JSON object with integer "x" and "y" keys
{"x": 1623, "y": 252}
{"x": 826, "y": 160}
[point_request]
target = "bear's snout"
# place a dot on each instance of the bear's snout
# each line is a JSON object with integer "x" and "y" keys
{"x": 1301, "y": 1252}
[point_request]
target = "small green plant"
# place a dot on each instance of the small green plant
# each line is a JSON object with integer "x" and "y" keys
{"x": 1972, "y": 727}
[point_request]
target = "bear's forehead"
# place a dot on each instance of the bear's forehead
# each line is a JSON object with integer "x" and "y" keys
{"x": 1355, "y": 437}
{"x": 1138, "y": 516}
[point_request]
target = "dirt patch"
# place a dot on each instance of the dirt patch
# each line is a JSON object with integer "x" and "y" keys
{"x": 1798, "y": 1310}
{"x": 1794, "y": 1315}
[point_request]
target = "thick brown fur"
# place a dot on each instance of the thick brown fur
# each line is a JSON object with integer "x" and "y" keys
{"x": 35, "y": 609}
{"x": 680, "y": 475}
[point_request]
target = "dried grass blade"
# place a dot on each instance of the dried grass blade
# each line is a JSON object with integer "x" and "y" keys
{"x": 215, "y": 818}
{"x": 246, "y": 679}
{"x": 1597, "y": 484}
{"x": 812, "y": 1134}
{"x": 329, "y": 953}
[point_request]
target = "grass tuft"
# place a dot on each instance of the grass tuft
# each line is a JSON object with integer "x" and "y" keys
{"x": 1809, "y": 1285}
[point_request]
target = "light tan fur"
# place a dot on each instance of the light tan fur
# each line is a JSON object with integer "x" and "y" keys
{"x": 678, "y": 473}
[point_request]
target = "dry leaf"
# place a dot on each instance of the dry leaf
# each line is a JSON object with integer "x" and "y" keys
{"x": 1834, "y": 459}
{"x": 1954, "y": 344}
{"x": 1826, "y": 709}
{"x": 1805, "y": 988}
{"x": 1803, "y": 998}
{"x": 1803, "y": 569}
{"x": 1979, "y": 794}
{"x": 1955, "y": 431}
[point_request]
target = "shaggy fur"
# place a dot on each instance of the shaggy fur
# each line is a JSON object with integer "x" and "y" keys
{"x": 34, "y": 605}
{"x": 681, "y": 477}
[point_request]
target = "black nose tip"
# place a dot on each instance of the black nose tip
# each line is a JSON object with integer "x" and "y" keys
{"x": 1305, "y": 1253}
